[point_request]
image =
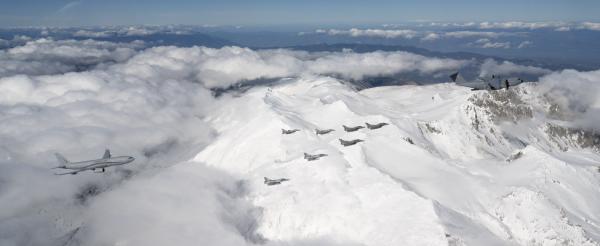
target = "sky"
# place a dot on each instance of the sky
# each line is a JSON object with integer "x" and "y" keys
{"x": 286, "y": 12}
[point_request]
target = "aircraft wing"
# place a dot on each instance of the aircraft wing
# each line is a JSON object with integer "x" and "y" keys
{"x": 73, "y": 172}
{"x": 106, "y": 154}
{"x": 515, "y": 81}
{"x": 474, "y": 85}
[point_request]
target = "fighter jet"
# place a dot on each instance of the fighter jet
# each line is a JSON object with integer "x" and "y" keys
{"x": 376, "y": 126}
{"x": 275, "y": 181}
{"x": 100, "y": 164}
{"x": 486, "y": 83}
{"x": 346, "y": 143}
{"x": 352, "y": 129}
{"x": 310, "y": 157}
{"x": 284, "y": 131}
{"x": 323, "y": 132}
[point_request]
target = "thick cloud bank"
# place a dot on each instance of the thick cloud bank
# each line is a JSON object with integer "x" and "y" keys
{"x": 576, "y": 95}
{"x": 47, "y": 56}
{"x": 229, "y": 65}
{"x": 154, "y": 118}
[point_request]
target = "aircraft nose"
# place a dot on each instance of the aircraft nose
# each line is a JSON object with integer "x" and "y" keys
{"x": 130, "y": 158}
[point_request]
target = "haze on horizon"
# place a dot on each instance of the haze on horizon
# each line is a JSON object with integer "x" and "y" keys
{"x": 272, "y": 12}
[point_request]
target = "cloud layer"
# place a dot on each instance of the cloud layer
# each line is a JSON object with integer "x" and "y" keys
{"x": 491, "y": 66}
{"x": 577, "y": 95}
{"x": 356, "y": 32}
{"x": 524, "y": 25}
{"x": 47, "y": 56}
{"x": 219, "y": 68}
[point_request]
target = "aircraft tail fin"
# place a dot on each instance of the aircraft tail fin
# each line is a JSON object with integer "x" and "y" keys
{"x": 61, "y": 160}
{"x": 455, "y": 77}
{"x": 106, "y": 154}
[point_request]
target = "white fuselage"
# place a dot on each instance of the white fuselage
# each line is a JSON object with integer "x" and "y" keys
{"x": 99, "y": 163}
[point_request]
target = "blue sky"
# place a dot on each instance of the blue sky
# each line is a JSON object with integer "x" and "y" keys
{"x": 285, "y": 12}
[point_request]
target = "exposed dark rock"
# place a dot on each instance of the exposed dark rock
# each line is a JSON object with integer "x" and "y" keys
{"x": 566, "y": 137}
{"x": 502, "y": 105}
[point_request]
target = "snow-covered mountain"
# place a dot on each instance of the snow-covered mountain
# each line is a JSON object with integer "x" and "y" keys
{"x": 453, "y": 167}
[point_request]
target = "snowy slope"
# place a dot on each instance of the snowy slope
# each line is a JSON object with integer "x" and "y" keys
{"x": 454, "y": 167}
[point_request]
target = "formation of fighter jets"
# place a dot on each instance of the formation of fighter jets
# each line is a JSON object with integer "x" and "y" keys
{"x": 492, "y": 82}
{"x": 98, "y": 165}
{"x": 486, "y": 83}
{"x": 314, "y": 157}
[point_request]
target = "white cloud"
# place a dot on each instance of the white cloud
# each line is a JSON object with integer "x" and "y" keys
{"x": 486, "y": 43}
{"x": 221, "y": 67}
{"x": 560, "y": 26}
{"x": 431, "y": 37}
{"x": 524, "y": 44}
{"x": 491, "y": 66}
{"x": 520, "y": 25}
{"x": 576, "y": 93}
{"x": 452, "y": 24}
{"x": 482, "y": 40}
{"x": 127, "y": 31}
{"x": 92, "y": 34}
{"x": 15, "y": 41}
{"x": 381, "y": 33}
{"x": 496, "y": 45}
{"x": 357, "y": 66}
{"x": 409, "y": 34}
{"x": 557, "y": 26}
{"x": 46, "y": 56}
{"x": 137, "y": 31}
{"x": 593, "y": 26}
{"x": 474, "y": 34}
{"x": 156, "y": 119}
{"x": 204, "y": 206}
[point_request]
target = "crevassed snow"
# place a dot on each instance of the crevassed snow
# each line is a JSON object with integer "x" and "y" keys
{"x": 440, "y": 174}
